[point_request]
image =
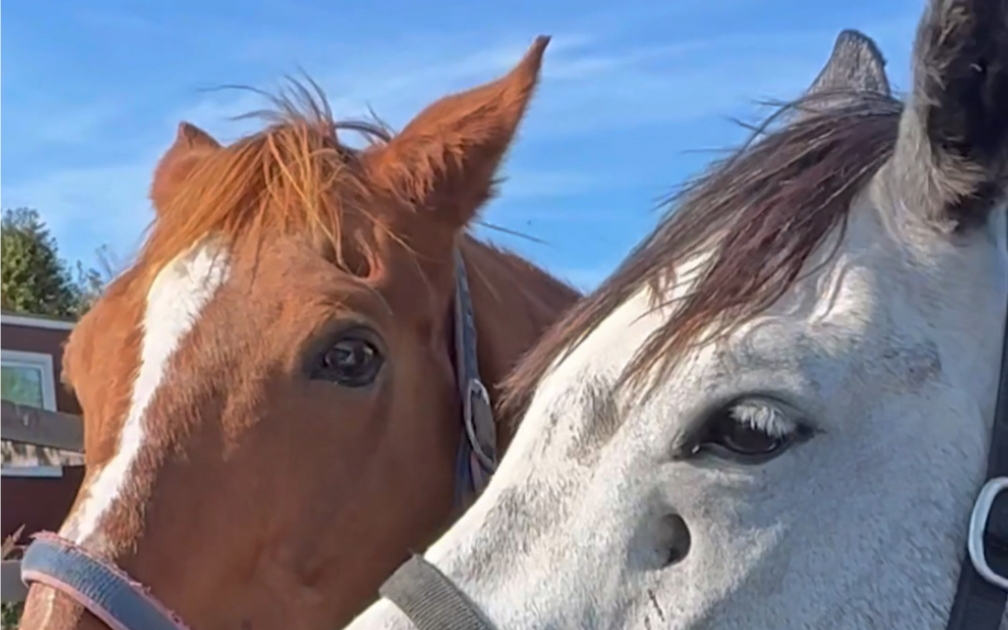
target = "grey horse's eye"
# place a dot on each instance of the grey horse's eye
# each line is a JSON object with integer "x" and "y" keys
{"x": 750, "y": 430}
{"x": 744, "y": 439}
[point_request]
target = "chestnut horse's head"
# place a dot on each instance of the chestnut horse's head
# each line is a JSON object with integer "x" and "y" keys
{"x": 270, "y": 399}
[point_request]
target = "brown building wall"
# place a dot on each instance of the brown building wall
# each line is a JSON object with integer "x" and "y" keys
{"x": 38, "y": 503}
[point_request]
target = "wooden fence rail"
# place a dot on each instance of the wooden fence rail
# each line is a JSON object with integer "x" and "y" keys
{"x": 39, "y": 427}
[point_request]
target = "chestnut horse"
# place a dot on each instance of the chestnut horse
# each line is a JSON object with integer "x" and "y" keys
{"x": 272, "y": 410}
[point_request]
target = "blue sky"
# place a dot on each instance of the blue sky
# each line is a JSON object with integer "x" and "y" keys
{"x": 636, "y": 96}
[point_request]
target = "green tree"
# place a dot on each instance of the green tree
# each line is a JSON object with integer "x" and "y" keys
{"x": 91, "y": 282}
{"x": 33, "y": 278}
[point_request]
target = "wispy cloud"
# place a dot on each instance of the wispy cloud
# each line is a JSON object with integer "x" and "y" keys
{"x": 90, "y": 206}
{"x": 589, "y": 84}
{"x": 395, "y": 87}
{"x": 110, "y": 198}
{"x": 78, "y": 125}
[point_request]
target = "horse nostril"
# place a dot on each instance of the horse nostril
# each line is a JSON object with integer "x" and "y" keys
{"x": 678, "y": 538}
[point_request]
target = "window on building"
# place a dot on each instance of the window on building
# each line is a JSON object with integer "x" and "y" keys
{"x": 27, "y": 378}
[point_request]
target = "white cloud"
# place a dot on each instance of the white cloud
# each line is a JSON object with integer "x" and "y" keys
{"x": 586, "y": 86}
{"x": 78, "y": 125}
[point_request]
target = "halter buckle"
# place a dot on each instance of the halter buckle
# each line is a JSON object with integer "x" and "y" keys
{"x": 975, "y": 543}
{"x": 479, "y": 424}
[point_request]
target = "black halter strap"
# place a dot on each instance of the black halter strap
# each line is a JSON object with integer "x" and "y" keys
{"x": 417, "y": 587}
{"x": 477, "y": 453}
{"x": 983, "y": 586}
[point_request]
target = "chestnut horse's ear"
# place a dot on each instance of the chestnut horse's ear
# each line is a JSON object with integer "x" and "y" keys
{"x": 444, "y": 162}
{"x": 191, "y": 145}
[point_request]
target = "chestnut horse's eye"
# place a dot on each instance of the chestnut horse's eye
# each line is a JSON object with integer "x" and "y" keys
{"x": 352, "y": 361}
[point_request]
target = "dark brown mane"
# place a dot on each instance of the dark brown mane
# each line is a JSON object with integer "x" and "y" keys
{"x": 295, "y": 176}
{"x": 763, "y": 210}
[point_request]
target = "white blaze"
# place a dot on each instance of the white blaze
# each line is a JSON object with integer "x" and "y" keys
{"x": 175, "y": 301}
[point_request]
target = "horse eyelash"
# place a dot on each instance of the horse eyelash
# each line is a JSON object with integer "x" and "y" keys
{"x": 764, "y": 415}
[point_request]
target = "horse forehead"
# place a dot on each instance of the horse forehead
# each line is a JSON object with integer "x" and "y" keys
{"x": 831, "y": 357}
{"x": 851, "y": 318}
{"x": 610, "y": 346}
{"x": 848, "y": 311}
{"x": 175, "y": 304}
{"x": 180, "y": 292}
{"x": 825, "y": 314}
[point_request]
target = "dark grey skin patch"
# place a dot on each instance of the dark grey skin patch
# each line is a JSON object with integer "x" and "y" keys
{"x": 599, "y": 405}
{"x": 913, "y": 365}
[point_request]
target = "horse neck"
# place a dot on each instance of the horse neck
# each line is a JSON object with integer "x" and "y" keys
{"x": 514, "y": 302}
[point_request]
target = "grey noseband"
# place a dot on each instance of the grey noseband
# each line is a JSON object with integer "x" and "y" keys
{"x": 431, "y": 600}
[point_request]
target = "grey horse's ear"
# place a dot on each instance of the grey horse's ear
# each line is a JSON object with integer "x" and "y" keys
{"x": 952, "y": 152}
{"x": 856, "y": 65}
